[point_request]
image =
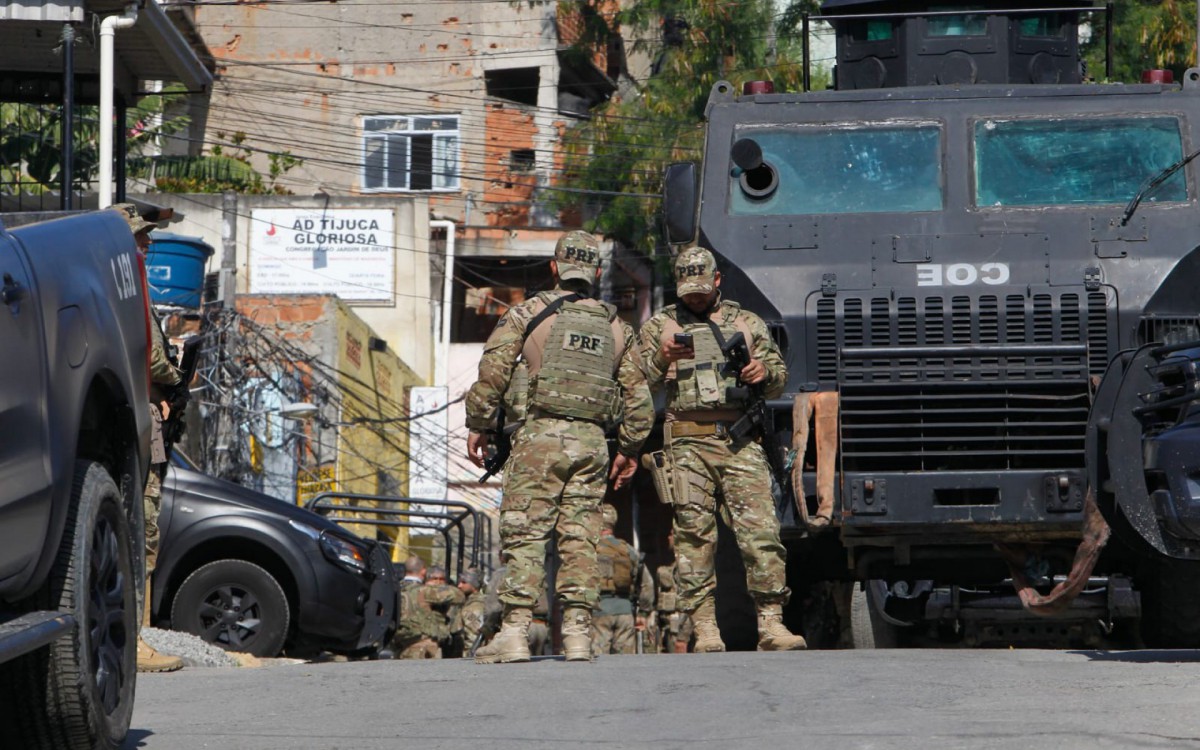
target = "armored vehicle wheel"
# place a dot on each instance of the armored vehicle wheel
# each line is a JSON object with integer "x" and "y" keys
{"x": 867, "y": 626}
{"x": 233, "y": 604}
{"x": 77, "y": 694}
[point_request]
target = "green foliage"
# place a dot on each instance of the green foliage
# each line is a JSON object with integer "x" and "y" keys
{"x": 226, "y": 167}
{"x": 31, "y": 150}
{"x": 622, "y": 150}
{"x": 1146, "y": 34}
{"x": 31, "y": 146}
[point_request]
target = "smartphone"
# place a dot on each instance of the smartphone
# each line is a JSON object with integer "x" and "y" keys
{"x": 684, "y": 339}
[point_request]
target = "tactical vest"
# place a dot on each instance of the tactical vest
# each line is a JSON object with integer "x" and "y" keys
{"x": 576, "y": 377}
{"x": 701, "y": 383}
{"x": 616, "y": 566}
{"x": 417, "y": 618}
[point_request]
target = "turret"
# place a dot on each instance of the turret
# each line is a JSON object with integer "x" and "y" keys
{"x": 890, "y": 43}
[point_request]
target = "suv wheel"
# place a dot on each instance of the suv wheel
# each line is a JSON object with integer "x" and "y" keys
{"x": 234, "y": 604}
{"x": 78, "y": 692}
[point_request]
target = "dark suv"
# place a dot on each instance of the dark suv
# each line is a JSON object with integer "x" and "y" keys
{"x": 251, "y": 573}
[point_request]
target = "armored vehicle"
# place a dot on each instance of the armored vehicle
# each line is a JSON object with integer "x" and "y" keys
{"x": 968, "y": 255}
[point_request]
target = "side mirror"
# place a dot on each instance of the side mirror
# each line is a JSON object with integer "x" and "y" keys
{"x": 680, "y": 188}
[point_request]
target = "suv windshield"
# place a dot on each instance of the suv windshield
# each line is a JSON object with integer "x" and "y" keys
{"x": 842, "y": 169}
{"x": 1075, "y": 162}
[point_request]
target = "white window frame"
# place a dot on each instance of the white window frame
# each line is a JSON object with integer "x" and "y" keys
{"x": 446, "y": 143}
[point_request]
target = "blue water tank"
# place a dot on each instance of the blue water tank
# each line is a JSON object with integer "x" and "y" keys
{"x": 175, "y": 268}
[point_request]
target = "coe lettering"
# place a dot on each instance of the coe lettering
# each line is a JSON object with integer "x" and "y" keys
{"x": 962, "y": 274}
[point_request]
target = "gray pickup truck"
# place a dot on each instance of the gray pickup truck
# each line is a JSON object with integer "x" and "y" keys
{"x": 74, "y": 452}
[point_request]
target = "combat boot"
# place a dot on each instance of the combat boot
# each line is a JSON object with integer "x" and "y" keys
{"x": 708, "y": 635}
{"x": 577, "y": 634}
{"x": 149, "y": 660}
{"x": 511, "y": 644}
{"x": 772, "y": 635}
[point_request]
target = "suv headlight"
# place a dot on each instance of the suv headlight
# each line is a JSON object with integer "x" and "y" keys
{"x": 345, "y": 553}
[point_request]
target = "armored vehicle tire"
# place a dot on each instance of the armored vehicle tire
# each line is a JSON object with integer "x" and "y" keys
{"x": 78, "y": 692}
{"x": 868, "y": 629}
{"x": 233, "y": 604}
{"x": 1171, "y": 605}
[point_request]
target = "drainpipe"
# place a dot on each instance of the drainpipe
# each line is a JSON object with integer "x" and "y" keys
{"x": 108, "y": 31}
{"x": 441, "y": 370}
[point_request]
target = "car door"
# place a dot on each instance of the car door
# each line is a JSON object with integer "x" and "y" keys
{"x": 24, "y": 461}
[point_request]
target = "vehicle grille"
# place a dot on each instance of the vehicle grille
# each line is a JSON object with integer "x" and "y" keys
{"x": 963, "y": 383}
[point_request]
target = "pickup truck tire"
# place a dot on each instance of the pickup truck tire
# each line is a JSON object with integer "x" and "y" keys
{"x": 78, "y": 693}
{"x": 867, "y": 627}
{"x": 233, "y": 604}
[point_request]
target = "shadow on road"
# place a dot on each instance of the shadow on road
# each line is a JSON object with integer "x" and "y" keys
{"x": 1149, "y": 656}
{"x": 133, "y": 740}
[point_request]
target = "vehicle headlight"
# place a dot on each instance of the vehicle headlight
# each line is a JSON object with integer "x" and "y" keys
{"x": 343, "y": 552}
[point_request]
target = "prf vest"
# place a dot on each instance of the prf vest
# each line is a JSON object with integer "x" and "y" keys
{"x": 573, "y": 372}
{"x": 701, "y": 383}
{"x": 616, "y": 567}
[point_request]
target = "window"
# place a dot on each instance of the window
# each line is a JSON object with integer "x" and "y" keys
{"x": 847, "y": 168}
{"x": 1065, "y": 162}
{"x": 418, "y": 152}
{"x": 522, "y": 160}
{"x": 515, "y": 84}
{"x": 956, "y": 25}
{"x": 871, "y": 30}
{"x": 1047, "y": 26}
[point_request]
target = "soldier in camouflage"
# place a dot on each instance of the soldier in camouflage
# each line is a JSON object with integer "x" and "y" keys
{"x": 428, "y": 612}
{"x": 676, "y": 625}
{"x": 583, "y": 369}
{"x": 704, "y": 461}
{"x": 474, "y": 610}
{"x": 163, "y": 376}
{"x": 618, "y": 618}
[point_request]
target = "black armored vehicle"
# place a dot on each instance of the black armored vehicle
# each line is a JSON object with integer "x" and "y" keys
{"x": 983, "y": 272}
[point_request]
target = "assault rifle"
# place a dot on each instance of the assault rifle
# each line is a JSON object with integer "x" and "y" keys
{"x": 502, "y": 448}
{"x": 757, "y": 419}
{"x": 178, "y": 395}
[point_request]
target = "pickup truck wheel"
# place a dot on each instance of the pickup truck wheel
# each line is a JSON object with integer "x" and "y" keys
{"x": 78, "y": 693}
{"x": 867, "y": 626}
{"x": 234, "y": 604}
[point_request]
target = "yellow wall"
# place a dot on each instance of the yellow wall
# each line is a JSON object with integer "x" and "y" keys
{"x": 374, "y": 387}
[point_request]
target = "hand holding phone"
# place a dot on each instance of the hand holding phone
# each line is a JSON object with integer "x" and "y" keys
{"x": 684, "y": 339}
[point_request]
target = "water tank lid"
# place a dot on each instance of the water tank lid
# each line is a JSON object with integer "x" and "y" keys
{"x": 180, "y": 239}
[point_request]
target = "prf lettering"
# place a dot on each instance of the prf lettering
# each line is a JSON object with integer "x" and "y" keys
{"x": 581, "y": 254}
{"x": 583, "y": 342}
{"x": 691, "y": 270}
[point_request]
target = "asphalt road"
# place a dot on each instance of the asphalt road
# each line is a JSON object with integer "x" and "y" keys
{"x": 821, "y": 699}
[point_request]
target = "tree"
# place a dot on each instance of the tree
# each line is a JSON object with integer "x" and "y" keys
{"x": 616, "y": 158}
{"x": 1146, "y": 34}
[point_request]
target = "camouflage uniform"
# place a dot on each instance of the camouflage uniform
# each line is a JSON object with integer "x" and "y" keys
{"x": 426, "y": 616}
{"x": 614, "y": 629}
{"x": 473, "y": 615}
{"x": 539, "y": 626}
{"x": 706, "y": 463}
{"x": 557, "y": 473}
{"x": 162, "y": 375}
{"x": 676, "y": 625}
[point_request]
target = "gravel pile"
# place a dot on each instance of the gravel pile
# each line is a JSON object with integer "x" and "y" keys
{"x": 194, "y": 651}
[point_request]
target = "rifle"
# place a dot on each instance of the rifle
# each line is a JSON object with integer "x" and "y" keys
{"x": 491, "y": 626}
{"x": 757, "y": 419}
{"x": 502, "y": 442}
{"x": 179, "y": 395}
